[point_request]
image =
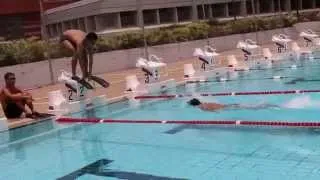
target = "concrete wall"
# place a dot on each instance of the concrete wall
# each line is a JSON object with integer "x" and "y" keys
{"x": 36, "y": 74}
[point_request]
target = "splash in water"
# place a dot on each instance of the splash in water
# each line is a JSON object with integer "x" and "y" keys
{"x": 302, "y": 102}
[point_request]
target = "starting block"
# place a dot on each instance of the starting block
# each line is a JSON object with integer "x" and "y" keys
{"x": 75, "y": 97}
{"x": 152, "y": 82}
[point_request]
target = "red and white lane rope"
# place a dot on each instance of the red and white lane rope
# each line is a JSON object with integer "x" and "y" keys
{"x": 169, "y": 96}
{"x": 196, "y": 122}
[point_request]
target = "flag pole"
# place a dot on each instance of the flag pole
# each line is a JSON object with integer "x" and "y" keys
{"x": 44, "y": 36}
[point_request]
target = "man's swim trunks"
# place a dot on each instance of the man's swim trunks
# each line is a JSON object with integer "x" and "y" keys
{"x": 13, "y": 110}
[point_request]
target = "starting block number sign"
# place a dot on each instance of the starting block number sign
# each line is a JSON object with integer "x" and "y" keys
{"x": 71, "y": 95}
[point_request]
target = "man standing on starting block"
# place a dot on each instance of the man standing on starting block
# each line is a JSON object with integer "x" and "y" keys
{"x": 81, "y": 45}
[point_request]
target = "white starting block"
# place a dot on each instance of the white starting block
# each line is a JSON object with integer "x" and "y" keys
{"x": 284, "y": 53}
{"x": 206, "y": 56}
{"x": 75, "y": 97}
{"x": 282, "y": 42}
{"x": 134, "y": 87}
{"x": 312, "y": 40}
{"x": 310, "y": 37}
{"x": 220, "y": 73}
{"x": 74, "y": 90}
{"x": 250, "y": 49}
{"x": 152, "y": 82}
{"x": 59, "y": 105}
{"x": 151, "y": 68}
{"x": 253, "y": 57}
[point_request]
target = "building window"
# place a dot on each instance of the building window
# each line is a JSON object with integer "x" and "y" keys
{"x": 74, "y": 24}
{"x": 294, "y": 5}
{"x": 111, "y": 20}
{"x": 128, "y": 19}
{"x": 107, "y": 21}
{"x": 150, "y": 17}
{"x": 234, "y": 8}
{"x": 48, "y": 29}
{"x": 203, "y": 11}
{"x": 82, "y": 25}
{"x": 219, "y": 10}
{"x": 67, "y": 25}
{"x": 166, "y": 15}
{"x": 184, "y": 13}
{"x": 91, "y": 24}
{"x": 54, "y": 31}
{"x": 60, "y": 28}
{"x": 11, "y": 27}
{"x": 276, "y": 5}
{"x": 307, "y": 4}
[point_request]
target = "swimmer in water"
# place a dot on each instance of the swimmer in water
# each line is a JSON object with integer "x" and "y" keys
{"x": 215, "y": 106}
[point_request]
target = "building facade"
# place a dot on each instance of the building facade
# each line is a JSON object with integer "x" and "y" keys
{"x": 107, "y": 15}
{"x": 21, "y": 18}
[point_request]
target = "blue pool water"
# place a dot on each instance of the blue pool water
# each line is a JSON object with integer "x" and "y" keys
{"x": 48, "y": 150}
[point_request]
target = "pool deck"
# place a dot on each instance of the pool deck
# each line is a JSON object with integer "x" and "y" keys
{"x": 117, "y": 84}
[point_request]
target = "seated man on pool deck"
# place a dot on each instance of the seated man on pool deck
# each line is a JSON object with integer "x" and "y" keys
{"x": 14, "y": 100}
{"x": 215, "y": 106}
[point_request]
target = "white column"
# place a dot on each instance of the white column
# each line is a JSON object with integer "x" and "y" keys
{"x": 194, "y": 10}
{"x": 86, "y": 24}
{"x": 79, "y": 25}
{"x": 210, "y": 13}
{"x": 63, "y": 26}
{"x": 119, "y": 25}
{"x": 258, "y": 6}
{"x": 272, "y": 8}
{"x": 57, "y": 29}
{"x": 139, "y": 18}
{"x": 226, "y": 9}
{"x": 175, "y": 15}
{"x": 95, "y": 21}
{"x": 300, "y": 4}
{"x": 98, "y": 25}
{"x": 243, "y": 8}
{"x": 157, "y": 16}
{"x": 314, "y": 4}
{"x": 288, "y": 5}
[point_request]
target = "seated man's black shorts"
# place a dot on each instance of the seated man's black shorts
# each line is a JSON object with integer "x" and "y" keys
{"x": 13, "y": 110}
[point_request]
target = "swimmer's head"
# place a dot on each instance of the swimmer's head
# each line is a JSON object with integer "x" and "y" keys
{"x": 90, "y": 39}
{"x": 194, "y": 102}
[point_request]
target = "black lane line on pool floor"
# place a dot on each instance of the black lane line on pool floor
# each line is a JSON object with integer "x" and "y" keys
{"x": 265, "y": 130}
{"x": 294, "y": 81}
{"x": 235, "y": 80}
{"x": 98, "y": 168}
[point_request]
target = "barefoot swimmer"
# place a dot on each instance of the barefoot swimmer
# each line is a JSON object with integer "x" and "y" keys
{"x": 81, "y": 45}
{"x": 14, "y": 100}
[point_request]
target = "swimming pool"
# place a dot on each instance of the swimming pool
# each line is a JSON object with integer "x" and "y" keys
{"x": 48, "y": 150}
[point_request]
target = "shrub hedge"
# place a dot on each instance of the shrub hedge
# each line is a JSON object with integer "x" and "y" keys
{"x": 32, "y": 50}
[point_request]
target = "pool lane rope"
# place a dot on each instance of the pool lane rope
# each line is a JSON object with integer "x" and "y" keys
{"x": 189, "y": 81}
{"x": 194, "y": 122}
{"x": 170, "y": 96}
